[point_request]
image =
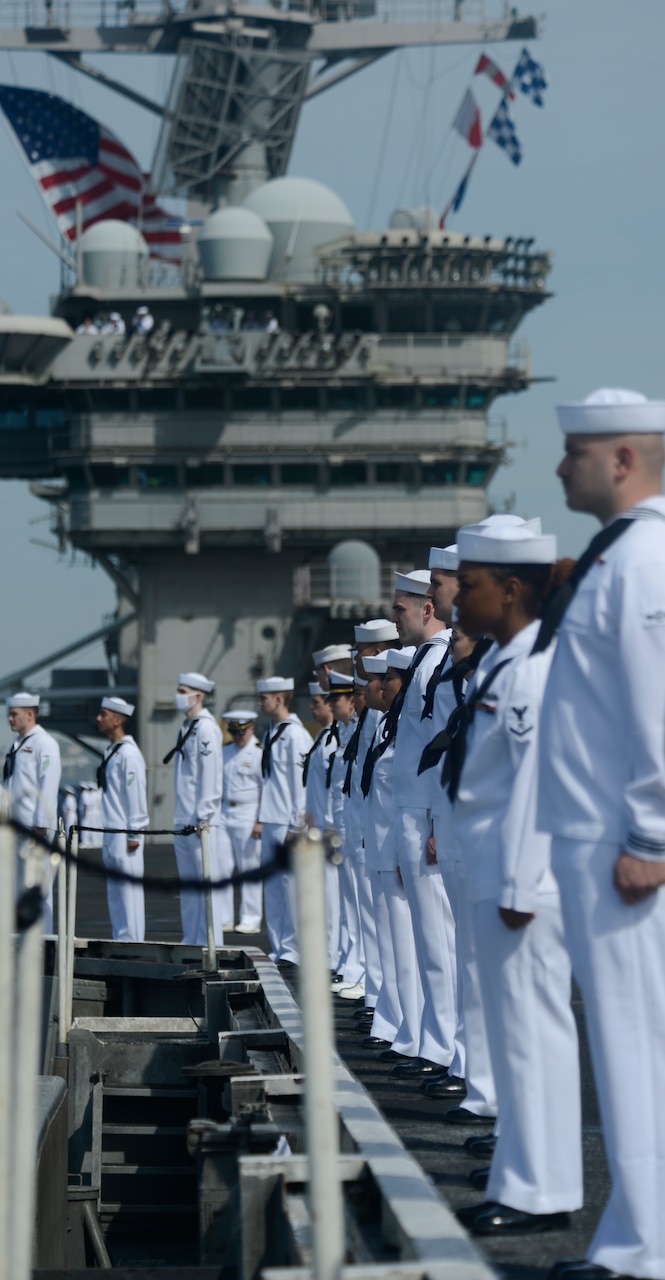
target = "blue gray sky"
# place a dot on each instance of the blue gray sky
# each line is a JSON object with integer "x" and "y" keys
{"x": 590, "y": 188}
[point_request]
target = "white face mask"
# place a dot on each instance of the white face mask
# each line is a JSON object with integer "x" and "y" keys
{"x": 183, "y": 703}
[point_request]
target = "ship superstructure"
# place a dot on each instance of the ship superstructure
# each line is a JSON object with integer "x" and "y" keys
{"x": 309, "y": 411}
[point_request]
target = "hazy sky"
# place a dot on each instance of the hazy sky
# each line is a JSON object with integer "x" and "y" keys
{"x": 590, "y": 189}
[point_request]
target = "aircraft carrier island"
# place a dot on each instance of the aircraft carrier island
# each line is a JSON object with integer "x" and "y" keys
{"x": 310, "y": 408}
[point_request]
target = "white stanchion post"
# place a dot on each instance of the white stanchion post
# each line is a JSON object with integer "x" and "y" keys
{"x": 210, "y": 960}
{"x": 325, "y": 1192}
{"x": 27, "y": 1043}
{"x": 62, "y": 937}
{"x": 72, "y": 884}
{"x": 7, "y": 930}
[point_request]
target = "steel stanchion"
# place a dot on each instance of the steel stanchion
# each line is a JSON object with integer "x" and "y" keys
{"x": 7, "y": 929}
{"x": 62, "y": 937}
{"x": 325, "y": 1192}
{"x": 210, "y": 959}
{"x": 72, "y": 884}
{"x": 28, "y": 1029}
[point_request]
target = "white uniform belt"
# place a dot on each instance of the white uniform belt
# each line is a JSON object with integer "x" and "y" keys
{"x": 239, "y": 804}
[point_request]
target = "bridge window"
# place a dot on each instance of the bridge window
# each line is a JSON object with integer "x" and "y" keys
{"x": 394, "y": 473}
{"x": 208, "y": 475}
{"x": 258, "y": 399}
{"x": 440, "y": 397}
{"x": 476, "y": 473}
{"x": 252, "y": 474}
{"x": 295, "y": 398}
{"x": 106, "y": 476}
{"x": 300, "y": 473}
{"x": 395, "y": 397}
{"x": 347, "y": 474}
{"x": 440, "y": 473}
{"x": 157, "y": 477}
{"x": 211, "y": 398}
{"x": 155, "y": 399}
{"x": 77, "y": 479}
{"x": 11, "y": 419}
{"x": 349, "y": 398}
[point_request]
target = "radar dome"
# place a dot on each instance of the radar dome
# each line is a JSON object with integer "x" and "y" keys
{"x": 235, "y": 244}
{"x": 301, "y": 214}
{"x": 114, "y": 255}
{"x": 354, "y": 572}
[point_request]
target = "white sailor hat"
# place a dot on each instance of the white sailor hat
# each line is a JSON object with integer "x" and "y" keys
{"x": 240, "y": 715}
{"x": 69, "y": 790}
{"x": 400, "y": 659}
{"x": 444, "y": 558}
{"x": 340, "y": 683}
{"x": 275, "y": 684}
{"x": 505, "y": 545}
{"x": 358, "y": 680}
{"x": 613, "y": 411}
{"x": 315, "y": 690}
{"x": 118, "y": 705}
{"x": 115, "y": 315}
{"x": 376, "y": 665}
{"x": 141, "y": 311}
{"x": 417, "y": 582}
{"x": 23, "y": 700}
{"x": 332, "y": 653}
{"x": 377, "y": 630}
{"x": 507, "y": 520}
{"x": 194, "y": 680}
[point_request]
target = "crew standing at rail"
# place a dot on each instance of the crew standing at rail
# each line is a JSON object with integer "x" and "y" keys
{"x": 240, "y": 832}
{"x": 198, "y": 802}
{"x": 602, "y": 797}
{"x": 121, "y": 777}
{"x": 282, "y": 809}
{"x": 32, "y": 777}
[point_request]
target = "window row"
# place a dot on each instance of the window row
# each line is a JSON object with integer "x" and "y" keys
{"x": 266, "y": 475}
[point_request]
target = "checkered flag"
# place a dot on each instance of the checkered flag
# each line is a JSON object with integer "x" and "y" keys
{"x": 529, "y": 76}
{"x": 502, "y": 130}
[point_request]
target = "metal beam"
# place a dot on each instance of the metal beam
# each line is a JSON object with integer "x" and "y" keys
{"x": 357, "y": 39}
{"x": 72, "y": 60}
{"x": 16, "y": 677}
{"x": 321, "y": 83}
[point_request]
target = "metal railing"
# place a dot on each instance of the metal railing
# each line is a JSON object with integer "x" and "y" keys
{"x": 120, "y": 13}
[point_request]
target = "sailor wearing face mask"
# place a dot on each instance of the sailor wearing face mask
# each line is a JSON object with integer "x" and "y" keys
{"x": 198, "y": 799}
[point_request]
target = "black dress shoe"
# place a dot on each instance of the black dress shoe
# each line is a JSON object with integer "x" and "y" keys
{"x": 480, "y": 1145}
{"x": 336, "y": 979}
{"x": 460, "y": 1115}
{"x": 359, "y": 1014}
{"x": 391, "y": 1055}
{"x": 479, "y": 1178}
{"x": 469, "y": 1212}
{"x": 580, "y": 1269}
{"x": 375, "y": 1042}
{"x": 415, "y": 1067}
{"x": 444, "y": 1087}
{"x": 502, "y": 1220}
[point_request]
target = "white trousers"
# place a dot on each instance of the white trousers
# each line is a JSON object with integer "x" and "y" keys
{"x": 387, "y": 1010}
{"x": 352, "y": 959}
{"x": 278, "y": 898}
{"x": 126, "y": 902}
{"x": 525, "y": 980}
{"x": 432, "y": 921}
{"x": 240, "y": 852}
{"x": 480, "y": 1087}
{"x": 192, "y": 901}
{"x": 373, "y": 974}
{"x": 407, "y": 976}
{"x": 618, "y": 956}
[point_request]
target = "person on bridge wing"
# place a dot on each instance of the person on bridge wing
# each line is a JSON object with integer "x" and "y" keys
{"x": 282, "y": 809}
{"x": 121, "y": 777}
{"x": 198, "y": 799}
{"x": 32, "y": 777}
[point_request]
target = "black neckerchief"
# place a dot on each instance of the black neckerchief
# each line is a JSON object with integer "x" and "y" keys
{"x": 558, "y": 602}
{"x": 101, "y": 771}
{"x": 456, "y": 675}
{"x": 307, "y": 758}
{"x": 464, "y": 715}
{"x": 10, "y": 758}
{"x": 351, "y": 751}
{"x": 179, "y": 748}
{"x": 433, "y": 683}
{"x": 376, "y": 750}
{"x": 390, "y": 725}
{"x": 268, "y": 744}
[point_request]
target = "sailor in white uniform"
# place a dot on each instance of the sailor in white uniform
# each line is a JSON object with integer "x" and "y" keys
{"x": 423, "y": 884}
{"x": 282, "y": 808}
{"x": 32, "y": 777}
{"x": 121, "y": 777}
{"x": 535, "y": 1178}
{"x": 602, "y": 796}
{"x": 318, "y": 802}
{"x": 371, "y": 637}
{"x": 399, "y": 1008}
{"x": 240, "y": 832}
{"x": 198, "y": 800}
{"x": 325, "y": 659}
{"x": 352, "y": 959}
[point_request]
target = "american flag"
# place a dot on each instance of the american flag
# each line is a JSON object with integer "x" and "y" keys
{"x": 73, "y": 158}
